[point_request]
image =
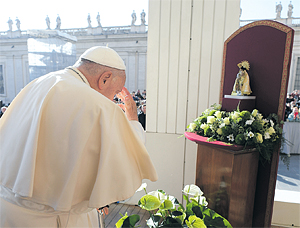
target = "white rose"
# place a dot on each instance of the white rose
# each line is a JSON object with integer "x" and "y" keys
{"x": 192, "y": 126}
{"x": 203, "y": 126}
{"x": 218, "y": 114}
{"x": 211, "y": 119}
{"x": 226, "y": 121}
{"x": 271, "y": 130}
{"x": 254, "y": 112}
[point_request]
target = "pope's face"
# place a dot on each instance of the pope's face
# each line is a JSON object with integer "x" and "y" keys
{"x": 116, "y": 84}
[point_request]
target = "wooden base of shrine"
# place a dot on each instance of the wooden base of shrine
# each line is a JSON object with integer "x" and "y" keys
{"x": 228, "y": 180}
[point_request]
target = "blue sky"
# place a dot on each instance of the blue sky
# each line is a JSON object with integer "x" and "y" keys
{"x": 32, "y": 13}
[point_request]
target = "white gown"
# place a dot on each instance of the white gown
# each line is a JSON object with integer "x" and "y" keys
{"x": 65, "y": 150}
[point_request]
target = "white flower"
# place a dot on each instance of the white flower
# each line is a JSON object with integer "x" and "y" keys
{"x": 192, "y": 126}
{"x": 226, "y": 120}
{"x": 218, "y": 114}
{"x": 259, "y": 138}
{"x": 193, "y": 190}
{"x": 254, "y": 112}
{"x": 211, "y": 119}
{"x": 272, "y": 123}
{"x": 235, "y": 115}
{"x": 267, "y": 135}
{"x": 249, "y": 122}
{"x": 250, "y": 134}
{"x": 222, "y": 125}
{"x": 219, "y": 131}
{"x": 271, "y": 130}
{"x": 142, "y": 187}
{"x": 203, "y": 126}
{"x": 200, "y": 200}
{"x": 158, "y": 195}
{"x": 265, "y": 121}
{"x": 230, "y": 137}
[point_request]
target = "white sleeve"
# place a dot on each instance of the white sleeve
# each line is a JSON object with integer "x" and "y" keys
{"x": 139, "y": 129}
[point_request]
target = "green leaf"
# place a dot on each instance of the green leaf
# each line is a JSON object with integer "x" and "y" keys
{"x": 166, "y": 205}
{"x": 186, "y": 198}
{"x": 149, "y": 202}
{"x": 177, "y": 213}
{"x": 121, "y": 221}
{"x": 197, "y": 211}
{"x": 171, "y": 222}
{"x": 195, "y": 222}
{"x": 131, "y": 221}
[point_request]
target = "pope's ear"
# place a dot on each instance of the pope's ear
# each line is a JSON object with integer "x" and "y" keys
{"x": 104, "y": 79}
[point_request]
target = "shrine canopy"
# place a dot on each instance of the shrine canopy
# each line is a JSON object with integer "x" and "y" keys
{"x": 267, "y": 46}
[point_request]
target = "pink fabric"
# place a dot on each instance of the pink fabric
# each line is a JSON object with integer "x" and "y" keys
{"x": 203, "y": 140}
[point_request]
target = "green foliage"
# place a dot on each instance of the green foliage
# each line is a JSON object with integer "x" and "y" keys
{"x": 170, "y": 213}
{"x": 241, "y": 128}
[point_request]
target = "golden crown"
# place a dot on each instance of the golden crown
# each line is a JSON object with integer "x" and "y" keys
{"x": 245, "y": 64}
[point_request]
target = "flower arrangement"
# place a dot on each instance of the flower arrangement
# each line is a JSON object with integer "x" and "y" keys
{"x": 166, "y": 211}
{"x": 240, "y": 128}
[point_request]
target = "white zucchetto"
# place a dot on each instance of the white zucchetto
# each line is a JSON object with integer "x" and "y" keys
{"x": 104, "y": 56}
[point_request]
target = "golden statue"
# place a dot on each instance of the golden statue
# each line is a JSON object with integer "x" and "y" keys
{"x": 242, "y": 82}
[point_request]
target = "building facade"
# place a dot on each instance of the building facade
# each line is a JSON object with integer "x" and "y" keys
{"x": 19, "y": 55}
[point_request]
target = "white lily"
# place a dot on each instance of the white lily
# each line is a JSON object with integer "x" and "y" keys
{"x": 193, "y": 190}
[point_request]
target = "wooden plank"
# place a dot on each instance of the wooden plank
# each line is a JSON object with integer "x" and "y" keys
{"x": 113, "y": 211}
{"x": 173, "y": 66}
{"x": 122, "y": 209}
{"x": 183, "y": 68}
{"x": 152, "y": 64}
{"x": 217, "y": 52}
{"x": 196, "y": 34}
{"x": 163, "y": 70}
{"x": 232, "y": 21}
{"x": 206, "y": 53}
{"x": 144, "y": 214}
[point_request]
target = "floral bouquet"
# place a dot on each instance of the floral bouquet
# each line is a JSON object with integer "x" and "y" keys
{"x": 240, "y": 128}
{"x": 166, "y": 211}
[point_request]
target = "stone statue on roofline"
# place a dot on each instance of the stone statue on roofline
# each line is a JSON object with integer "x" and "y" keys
{"x": 290, "y": 10}
{"x": 48, "y": 22}
{"x": 98, "y": 20}
{"x": 278, "y": 10}
{"x": 143, "y": 19}
{"x": 18, "y": 24}
{"x": 242, "y": 82}
{"x": 58, "y": 22}
{"x": 89, "y": 21}
{"x": 10, "y": 23}
{"x": 133, "y": 18}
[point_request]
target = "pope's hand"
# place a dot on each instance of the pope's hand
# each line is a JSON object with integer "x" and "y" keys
{"x": 129, "y": 105}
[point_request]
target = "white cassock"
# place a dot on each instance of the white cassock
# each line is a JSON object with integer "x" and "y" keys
{"x": 65, "y": 150}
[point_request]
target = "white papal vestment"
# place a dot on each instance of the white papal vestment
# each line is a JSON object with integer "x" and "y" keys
{"x": 65, "y": 150}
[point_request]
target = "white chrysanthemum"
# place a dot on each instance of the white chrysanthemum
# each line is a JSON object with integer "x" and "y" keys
{"x": 250, "y": 134}
{"x": 193, "y": 190}
{"x": 272, "y": 123}
{"x": 230, "y": 137}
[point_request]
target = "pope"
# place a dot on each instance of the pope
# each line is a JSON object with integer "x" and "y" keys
{"x": 66, "y": 149}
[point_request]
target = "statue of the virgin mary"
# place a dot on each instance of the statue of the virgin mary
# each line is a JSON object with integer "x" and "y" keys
{"x": 242, "y": 82}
